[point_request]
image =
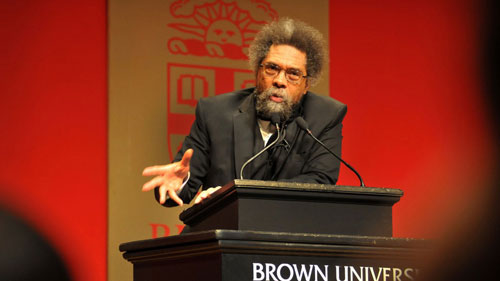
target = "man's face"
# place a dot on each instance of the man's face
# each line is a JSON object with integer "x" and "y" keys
{"x": 275, "y": 93}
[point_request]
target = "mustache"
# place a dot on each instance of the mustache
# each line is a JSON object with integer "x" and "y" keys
{"x": 273, "y": 91}
{"x": 265, "y": 107}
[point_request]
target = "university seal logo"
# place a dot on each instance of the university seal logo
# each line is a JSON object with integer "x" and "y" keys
{"x": 217, "y": 31}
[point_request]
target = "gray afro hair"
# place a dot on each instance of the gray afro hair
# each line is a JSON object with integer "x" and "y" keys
{"x": 294, "y": 33}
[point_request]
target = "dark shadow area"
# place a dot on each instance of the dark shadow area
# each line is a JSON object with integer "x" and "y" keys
{"x": 24, "y": 254}
{"x": 471, "y": 251}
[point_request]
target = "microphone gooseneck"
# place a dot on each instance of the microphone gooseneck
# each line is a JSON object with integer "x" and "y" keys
{"x": 303, "y": 125}
{"x": 275, "y": 119}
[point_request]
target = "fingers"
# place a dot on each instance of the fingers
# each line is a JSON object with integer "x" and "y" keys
{"x": 173, "y": 195}
{"x": 163, "y": 190}
{"x": 206, "y": 194}
{"x": 156, "y": 170}
{"x": 214, "y": 189}
{"x": 163, "y": 194}
{"x": 168, "y": 177}
{"x": 150, "y": 185}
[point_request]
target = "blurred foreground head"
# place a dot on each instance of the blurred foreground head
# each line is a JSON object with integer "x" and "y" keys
{"x": 24, "y": 253}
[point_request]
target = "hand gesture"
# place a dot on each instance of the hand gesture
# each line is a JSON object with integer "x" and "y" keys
{"x": 206, "y": 194}
{"x": 169, "y": 178}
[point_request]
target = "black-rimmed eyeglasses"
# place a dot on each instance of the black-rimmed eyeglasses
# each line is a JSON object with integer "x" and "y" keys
{"x": 292, "y": 75}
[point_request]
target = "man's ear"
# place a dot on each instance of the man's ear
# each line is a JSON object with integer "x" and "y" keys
{"x": 257, "y": 76}
{"x": 307, "y": 86}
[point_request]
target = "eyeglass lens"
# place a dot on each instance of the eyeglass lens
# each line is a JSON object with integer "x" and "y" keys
{"x": 291, "y": 74}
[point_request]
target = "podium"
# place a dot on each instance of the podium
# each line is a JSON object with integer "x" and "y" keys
{"x": 263, "y": 230}
{"x": 297, "y": 208}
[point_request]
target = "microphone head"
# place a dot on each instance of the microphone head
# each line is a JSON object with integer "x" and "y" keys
{"x": 275, "y": 118}
{"x": 302, "y": 123}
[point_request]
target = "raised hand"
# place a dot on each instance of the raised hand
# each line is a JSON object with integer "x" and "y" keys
{"x": 168, "y": 178}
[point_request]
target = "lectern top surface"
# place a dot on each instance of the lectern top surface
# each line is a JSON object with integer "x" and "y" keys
{"x": 266, "y": 236}
{"x": 315, "y": 187}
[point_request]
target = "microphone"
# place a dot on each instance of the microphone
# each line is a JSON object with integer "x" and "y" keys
{"x": 275, "y": 119}
{"x": 303, "y": 125}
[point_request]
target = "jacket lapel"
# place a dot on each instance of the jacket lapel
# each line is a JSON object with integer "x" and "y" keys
{"x": 244, "y": 122}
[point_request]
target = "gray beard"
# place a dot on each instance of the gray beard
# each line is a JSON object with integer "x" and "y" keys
{"x": 265, "y": 107}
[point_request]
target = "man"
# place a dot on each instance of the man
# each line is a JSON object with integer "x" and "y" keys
{"x": 287, "y": 57}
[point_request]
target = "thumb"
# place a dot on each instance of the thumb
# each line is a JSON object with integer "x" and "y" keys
{"x": 186, "y": 158}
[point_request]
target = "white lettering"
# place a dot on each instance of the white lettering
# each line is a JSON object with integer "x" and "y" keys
{"x": 396, "y": 274}
{"x": 346, "y": 277}
{"x": 323, "y": 274}
{"x": 373, "y": 274}
{"x": 290, "y": 269}
{"x": 409, "y": 273}
{"x": 386, "y": 271}
{"x": 303, "y": 272}
{"x": 258, "y": 274}
{"x": 270, "y": 268}
{"x": 353, "y": 272}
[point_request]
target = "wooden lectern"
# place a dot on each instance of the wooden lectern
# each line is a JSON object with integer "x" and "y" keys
{"x": 264, "y": 230}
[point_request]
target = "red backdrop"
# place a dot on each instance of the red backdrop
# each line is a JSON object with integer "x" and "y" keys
{"x": 408, "y": 71}
{"x": 53, "y": 116}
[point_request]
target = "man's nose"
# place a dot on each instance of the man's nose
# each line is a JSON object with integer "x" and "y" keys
{"x": 280, "y": 80}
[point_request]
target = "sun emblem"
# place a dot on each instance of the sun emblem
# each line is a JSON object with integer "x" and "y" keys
{"x": 218, "y": 29}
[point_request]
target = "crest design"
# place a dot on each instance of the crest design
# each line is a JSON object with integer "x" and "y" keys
{"x": 189, "y": 83}
{"x": 219, "y": 29}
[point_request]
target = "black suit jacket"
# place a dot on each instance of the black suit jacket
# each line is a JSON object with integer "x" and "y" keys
{"x": 223, "y": 137}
